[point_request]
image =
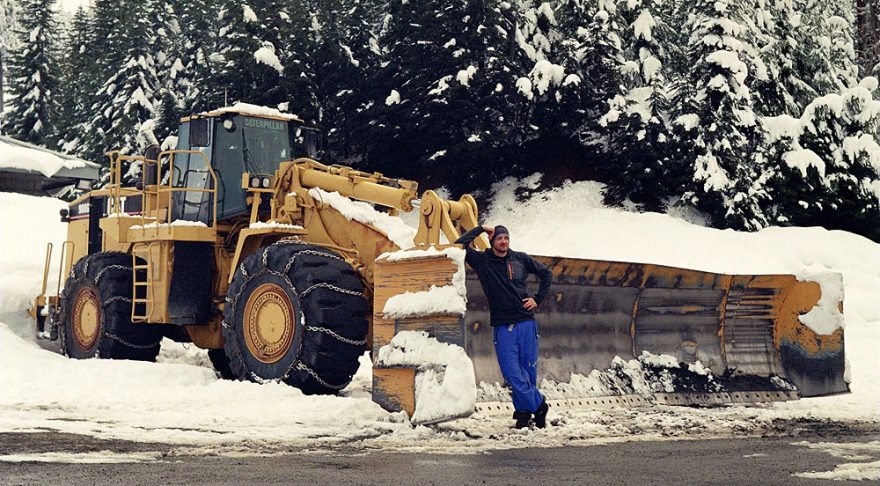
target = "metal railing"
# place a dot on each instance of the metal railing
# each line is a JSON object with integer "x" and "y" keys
{"x": 115, "y": 186}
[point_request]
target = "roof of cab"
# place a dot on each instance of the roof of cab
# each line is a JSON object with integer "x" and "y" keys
{"x": 248, "y": 109}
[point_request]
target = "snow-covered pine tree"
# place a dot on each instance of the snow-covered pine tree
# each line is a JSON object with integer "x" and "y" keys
{"x": 8, "y": 43}
{"x": 76, "y": 62}
{"x": 294, "y": 30}
{"x": 726, "y": 178}
{"x": 34, "y": 76}
{"x": 844, "y": 130}
{"x": 782, "y": 91}
{"x": 346, "y": 51}
{"x": 637, "y": 131}
{"x": 249, "y": 67}
{"x": 868, "y": 36}
{"x": 198, "y": 21}
{"x": 105, "y": 51}
{"x": 555, "y": 59}
{"x": 827, "y": 62}
{"x": 440, "y": 69}
{"x": 174, "y": 83}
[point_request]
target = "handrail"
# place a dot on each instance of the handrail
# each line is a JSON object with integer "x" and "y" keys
{"x": 170, "y": 154}
{"x": 116, "y": 158}
{"x": 64, "y": 245}
{"x": 46, "y": 268}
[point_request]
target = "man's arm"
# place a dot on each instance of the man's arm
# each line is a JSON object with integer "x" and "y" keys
{"x": 472, "y": 256}
{"x": 468, "y": 238}
{"x": 543, "y": 274}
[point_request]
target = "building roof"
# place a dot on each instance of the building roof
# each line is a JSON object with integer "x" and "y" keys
{"x": 18, "y": 156}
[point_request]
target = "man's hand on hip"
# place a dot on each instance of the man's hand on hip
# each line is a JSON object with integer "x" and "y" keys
{"x": 529, "y": 303}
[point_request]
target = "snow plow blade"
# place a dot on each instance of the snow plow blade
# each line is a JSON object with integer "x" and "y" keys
{"x": 744, "y": 328}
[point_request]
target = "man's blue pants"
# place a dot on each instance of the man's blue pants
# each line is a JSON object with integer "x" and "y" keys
{"x": 516, "y": 346}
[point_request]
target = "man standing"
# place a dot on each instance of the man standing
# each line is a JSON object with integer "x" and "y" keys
{"x": 503, "y": 274}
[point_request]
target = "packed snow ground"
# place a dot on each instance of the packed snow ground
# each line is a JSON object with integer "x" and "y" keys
{"x": 179, "y": 400}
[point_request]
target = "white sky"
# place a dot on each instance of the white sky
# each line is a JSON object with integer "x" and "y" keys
{"x": 70, "y": 6}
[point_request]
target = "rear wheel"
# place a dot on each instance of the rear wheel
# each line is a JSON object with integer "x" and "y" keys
{"x": 96, "y": 312}
{"x": 295, "y": 313}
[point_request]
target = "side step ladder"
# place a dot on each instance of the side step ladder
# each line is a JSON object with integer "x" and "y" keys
{"x": 141, "y": 301}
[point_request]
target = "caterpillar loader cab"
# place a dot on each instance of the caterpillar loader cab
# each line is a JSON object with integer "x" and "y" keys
{"x": 281, "y": 267}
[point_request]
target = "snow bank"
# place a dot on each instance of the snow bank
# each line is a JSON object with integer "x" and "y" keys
{"x": 15, "y": 156}
{"x": 445, "y": 384}
{"x": 448, "y": 299}
{"x": 391, "y": 226}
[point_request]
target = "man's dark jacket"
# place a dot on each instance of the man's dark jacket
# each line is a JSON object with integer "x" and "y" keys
{"x": 504, "y": 280}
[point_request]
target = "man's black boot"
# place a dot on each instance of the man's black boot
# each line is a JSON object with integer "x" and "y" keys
{"x": 541, "y": 415}
{"x": 522, "y": 419}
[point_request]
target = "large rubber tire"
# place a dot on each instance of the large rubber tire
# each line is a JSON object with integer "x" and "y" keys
{"x": 95, "y": 319}
{"x": 295, "y": 313}
{"x": 221, "y": 363}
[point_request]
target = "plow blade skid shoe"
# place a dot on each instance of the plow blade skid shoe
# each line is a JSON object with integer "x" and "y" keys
{"x": 744, "y": 328}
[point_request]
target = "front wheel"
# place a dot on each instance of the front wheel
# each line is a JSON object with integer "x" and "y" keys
{"x": 295, "y": 313}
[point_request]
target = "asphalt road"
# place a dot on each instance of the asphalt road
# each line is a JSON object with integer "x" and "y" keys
{"x": 733, "y": 461}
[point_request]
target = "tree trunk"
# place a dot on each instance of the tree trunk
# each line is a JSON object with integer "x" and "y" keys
{"x": 2, "y": 87}
{"x": 868, "y": 35}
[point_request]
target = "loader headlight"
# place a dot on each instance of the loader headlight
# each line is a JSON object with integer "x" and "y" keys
{"x": 266, "y": 182}
{"x": 255, "y": 181}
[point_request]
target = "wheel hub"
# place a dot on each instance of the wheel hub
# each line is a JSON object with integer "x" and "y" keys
{"x": 269, "y": 323}
{"x": 86, "y": 318}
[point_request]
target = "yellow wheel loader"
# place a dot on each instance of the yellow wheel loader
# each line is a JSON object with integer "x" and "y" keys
{"x": 276, "y": 264}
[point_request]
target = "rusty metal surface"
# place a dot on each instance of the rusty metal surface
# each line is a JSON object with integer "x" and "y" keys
{"x": 733, "y": 324}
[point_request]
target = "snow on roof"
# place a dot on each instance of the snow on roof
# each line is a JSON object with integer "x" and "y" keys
{"x": 253, "y": 110}
{"x": 15, "y": 154}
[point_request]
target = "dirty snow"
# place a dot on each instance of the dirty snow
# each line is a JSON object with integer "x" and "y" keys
{"x": 98, "y": 457}
{"x": 445, "y": 384}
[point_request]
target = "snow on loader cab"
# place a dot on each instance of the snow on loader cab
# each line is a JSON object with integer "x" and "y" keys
{"x": 284, "y": 270}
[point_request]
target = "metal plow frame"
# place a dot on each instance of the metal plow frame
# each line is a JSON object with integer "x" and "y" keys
{"x": 739, "y": 326}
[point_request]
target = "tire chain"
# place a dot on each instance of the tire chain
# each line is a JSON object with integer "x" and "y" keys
{"x": 110, "y": 267}
{"x": 131, "y": 345}
{"x": 353, "y": 342}
{"x": 302, "y": 367}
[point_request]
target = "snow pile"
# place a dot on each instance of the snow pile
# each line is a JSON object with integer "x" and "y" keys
{"x": 391, "y": 226}
{"x": 255, "y": 110}
{"x": 825, "y": 318}
{"x": 17, "y": 155}
{"x": 448, "y": 299}
{"x": 445, "y": 384}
